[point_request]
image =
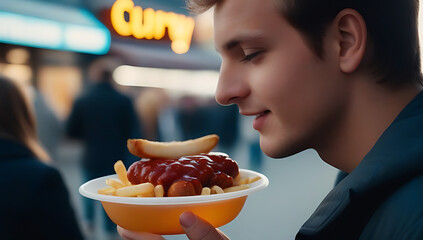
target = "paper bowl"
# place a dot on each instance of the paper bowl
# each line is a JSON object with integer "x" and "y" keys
{"x": 161, "y": 215}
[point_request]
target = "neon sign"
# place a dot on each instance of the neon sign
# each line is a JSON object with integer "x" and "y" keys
{"x": 148, "y": 24}
{"x": 40, "y": 32}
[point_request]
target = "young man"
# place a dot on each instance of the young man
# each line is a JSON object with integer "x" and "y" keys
{"x": 341, "y": 77}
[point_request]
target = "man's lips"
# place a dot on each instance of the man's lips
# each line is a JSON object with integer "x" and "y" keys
{"x": 260, "y": 119}
{"x": 261, "y": 114}
{"x": 255, "y": 114}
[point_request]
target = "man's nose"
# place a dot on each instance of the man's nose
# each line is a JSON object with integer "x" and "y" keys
{"x": 232, "y": 86}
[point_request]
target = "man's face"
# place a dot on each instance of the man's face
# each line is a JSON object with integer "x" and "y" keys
{"x": 269, "y": 71}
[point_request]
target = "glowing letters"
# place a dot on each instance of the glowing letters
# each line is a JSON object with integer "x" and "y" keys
{"x": 149, "y": 24}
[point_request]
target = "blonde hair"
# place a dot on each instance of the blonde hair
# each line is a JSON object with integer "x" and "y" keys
{"x": 17, "y": 121}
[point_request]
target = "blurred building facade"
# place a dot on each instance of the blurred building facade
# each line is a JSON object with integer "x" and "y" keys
{"x": 55, "y": 48}
{"x": 51, "y": 44}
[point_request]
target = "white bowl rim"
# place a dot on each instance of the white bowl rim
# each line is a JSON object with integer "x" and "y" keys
{"x": 89, "y": 190}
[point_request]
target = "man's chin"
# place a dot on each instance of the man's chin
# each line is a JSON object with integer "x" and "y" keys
{"x": 279, "y": 151}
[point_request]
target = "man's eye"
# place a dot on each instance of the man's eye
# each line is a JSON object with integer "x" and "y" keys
{"x": 251, "y": 56}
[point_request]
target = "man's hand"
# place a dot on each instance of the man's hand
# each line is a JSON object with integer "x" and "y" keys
{"x": 198, "y": 229}
{"x": 194, "y": 227}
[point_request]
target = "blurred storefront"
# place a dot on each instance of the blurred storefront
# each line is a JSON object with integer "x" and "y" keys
{"x": 50, "y": 45}
{"x": 46, "y": 46}
{"x": 161, "y": 45}
{"x": 159, "y": 35}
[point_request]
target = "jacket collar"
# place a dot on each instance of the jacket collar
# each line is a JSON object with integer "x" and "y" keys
{"x": 10, "y": 149}
{"x": 390, "y": 163}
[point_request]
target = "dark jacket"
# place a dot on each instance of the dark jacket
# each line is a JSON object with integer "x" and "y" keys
{"x": 34, "y": 200}
{"x": 382, "y": 199}
{"x": 103, "y": 119}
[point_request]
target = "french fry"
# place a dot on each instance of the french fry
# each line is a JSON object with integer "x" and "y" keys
{"x": 236, "y": 188}
{"x": 135, "y": 190}
{"x": 159, "y": 191}
{"x": 149, "y": 149}
{"x": 148, "y": 194}
{"x": 205, "y": 191}
{"x": 216, "y": 190}
{"x": 120, "y": 170}
{"x": 116, "y": 183}
{"x": 107, "y": 191}
{"x": 237, "y": 179}
{"x": 243, "y": 181}
{"x": 253, "y": 179}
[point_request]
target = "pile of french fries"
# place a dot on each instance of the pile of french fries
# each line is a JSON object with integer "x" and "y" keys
{"x": 123, "y": 188}
{"x": 148, "y": 149}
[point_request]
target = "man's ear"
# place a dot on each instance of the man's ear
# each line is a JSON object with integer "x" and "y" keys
{"x": 352, "y": 39}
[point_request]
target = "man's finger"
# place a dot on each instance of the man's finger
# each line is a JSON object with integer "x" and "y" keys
{"x": 198, "y": 229}
{"x": 129, "y": 235}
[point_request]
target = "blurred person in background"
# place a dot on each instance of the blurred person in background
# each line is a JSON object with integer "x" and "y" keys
{"x": 223, "y": 121}
{"x": 200, "y": 117}
{"x": 192, "y": 118}
{"x": 344, "y": 78}
{"x": 49, "y": 126}
{"x": 149, "y": 105}
{"x": 252, "y": 140}
{"x": 35, "y": 202}
{"x": 103, "y": 119}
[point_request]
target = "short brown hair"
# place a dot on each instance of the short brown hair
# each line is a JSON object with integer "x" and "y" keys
{"x": 200, "y": 6}
{"x": 391, "y": 25}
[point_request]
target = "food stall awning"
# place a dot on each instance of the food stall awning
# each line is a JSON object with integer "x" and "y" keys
{"x": 161, "y": 56}
{"x": 52, "y": 26}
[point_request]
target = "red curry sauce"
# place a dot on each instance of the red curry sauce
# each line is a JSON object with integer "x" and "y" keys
{"x": 203, "y": 170}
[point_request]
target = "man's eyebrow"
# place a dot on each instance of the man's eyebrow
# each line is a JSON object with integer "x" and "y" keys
{"x": 231, "y": 44}
{"x": 240, "y": 39}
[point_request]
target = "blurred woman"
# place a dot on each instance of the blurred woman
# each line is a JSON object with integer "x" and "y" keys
{"x": 34, "y": 201}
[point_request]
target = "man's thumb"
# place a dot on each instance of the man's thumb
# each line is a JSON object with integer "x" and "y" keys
{"x": 198, "y": 229}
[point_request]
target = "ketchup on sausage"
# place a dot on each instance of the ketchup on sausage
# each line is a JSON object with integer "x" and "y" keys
{"x": 203, "y": 170}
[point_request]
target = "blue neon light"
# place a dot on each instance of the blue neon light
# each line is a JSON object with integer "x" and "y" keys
{"x": 45, "y": 33}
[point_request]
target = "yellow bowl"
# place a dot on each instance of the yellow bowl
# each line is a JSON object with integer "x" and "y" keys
{"x": 161, "y": 215}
